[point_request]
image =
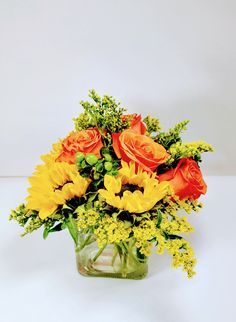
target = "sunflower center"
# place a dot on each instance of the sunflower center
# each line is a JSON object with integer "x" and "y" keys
{"x": 129, "y": 187}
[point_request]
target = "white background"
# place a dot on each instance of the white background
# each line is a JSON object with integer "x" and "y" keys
{"x": 173, "y": 59}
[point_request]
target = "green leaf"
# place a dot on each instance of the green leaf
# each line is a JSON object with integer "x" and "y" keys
{"x": 63, "y": 225}
{"x": 172, "y": 236}
{"x": 92, "y": 197}
{"x": 72, "y": 227}
{"x": 57, "y": 227}
{"x": 165, "y": 235}
{"x": 159, "y": 218}
{"x": 45, "y": 233}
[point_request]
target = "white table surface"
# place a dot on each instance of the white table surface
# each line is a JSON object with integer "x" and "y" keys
{"x": 39, "y": 281}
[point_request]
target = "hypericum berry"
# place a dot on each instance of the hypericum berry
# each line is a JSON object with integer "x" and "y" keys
{"x": 79, "y": 157}
{"x": 99, "y": 167}
{"x": 96, "y": 176}
{"x": 114, "y": 172}
{"x": 91, "y": 159}
{"x": 83, "y": 164}
{"x": 108, "y": 166}
{"x": 107, "y": 157}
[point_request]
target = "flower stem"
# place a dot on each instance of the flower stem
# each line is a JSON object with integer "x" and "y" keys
{"x": 129, "y": 251}
{"x": 99, "y": 253}
{"x": 124, "y": 259}
{"x": 84, "y": 243}
{"x": 114, "y": 255}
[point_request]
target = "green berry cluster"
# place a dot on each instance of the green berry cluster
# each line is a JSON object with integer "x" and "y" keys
{"x": 91, "y": 166}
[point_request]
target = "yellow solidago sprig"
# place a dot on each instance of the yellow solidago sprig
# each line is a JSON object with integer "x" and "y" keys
{"x": 175, "y": 224}
{"x": 152, "y": 124}
{"x": 111, "y": 230}
{"x": 182, "y": 254}
{"x": 87, "y": 218}
{"x": 26, "y": 218}
{"x": 147, "y": 191}
{"x": 147, "y": 232}
{"x": 166, "y": 139}
{"x": 108, "y": 229}
{"x": 173, "y": 204}
{"x": 172, "y": 222}
{"x": 185, "y": 150}
{"x": 144, "y": 233}
{"x": 53, "y": 186}
{"x": 103, "y": 112}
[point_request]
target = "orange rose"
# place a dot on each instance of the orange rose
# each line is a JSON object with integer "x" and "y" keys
{"x": 85, "y": 141}
{"x": 186, "y": 179}
{"x": 131, "y": 146}
{"x": 136, "y": 122}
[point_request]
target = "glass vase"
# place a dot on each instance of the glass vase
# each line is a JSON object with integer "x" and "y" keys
{"x": 118, "y": 260}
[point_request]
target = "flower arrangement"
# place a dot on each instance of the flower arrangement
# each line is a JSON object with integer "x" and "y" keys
{"x": 116, "y": 183}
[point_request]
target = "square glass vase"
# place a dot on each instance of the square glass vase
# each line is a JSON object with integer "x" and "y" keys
{"x": 117, "y": 260}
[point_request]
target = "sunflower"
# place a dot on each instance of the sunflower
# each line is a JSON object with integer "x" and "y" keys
{"x": 52, "y": 186}
{"x": 53, "y": 154}
{"x": 134, "y": 192}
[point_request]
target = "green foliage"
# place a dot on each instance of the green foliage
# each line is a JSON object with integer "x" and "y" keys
{"x": 103, "y": 113}
{"x": 83, "y": 121}
{"x": 55, "y": 227}
{"x": 193, "y": 149}
{"x": 30, "y": 220}
{"x": 72, "y": 227}
{"x": 173, "y": 135}
{"x": 152, "y": 123}
{"x": 26, "y": 218}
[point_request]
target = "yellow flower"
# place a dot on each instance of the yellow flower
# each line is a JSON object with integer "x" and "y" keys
{"x": 143, "y": 234}
{"x": 53, "y": 154}
{"x": 52, "y": 186}
{"x": 147, "y": 190}
{"x": 183, "y": 255}
{"x": 111, "y": 231}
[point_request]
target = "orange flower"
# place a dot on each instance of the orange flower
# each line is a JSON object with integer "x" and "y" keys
{"x": 85, "y": 141}
{"x": 131, "y": 146}
{"x": 186, "y": 179}
{"x": 136, "y": 122}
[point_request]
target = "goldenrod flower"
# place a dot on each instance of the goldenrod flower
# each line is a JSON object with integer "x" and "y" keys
{"x": 147, "y": 190}
{"x": 52, "y": 186}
